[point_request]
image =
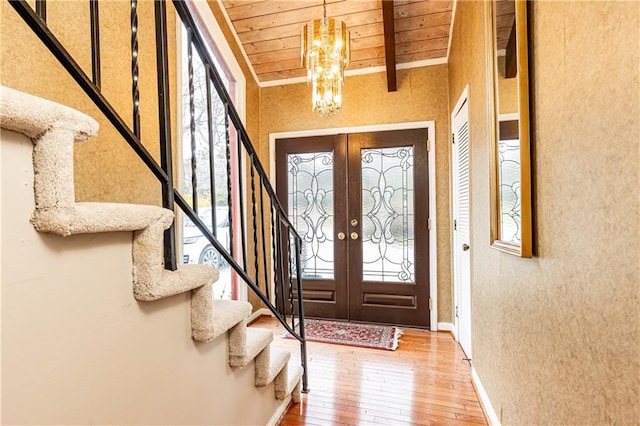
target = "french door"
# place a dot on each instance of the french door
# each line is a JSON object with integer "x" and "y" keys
{"x": 360, "y": 204}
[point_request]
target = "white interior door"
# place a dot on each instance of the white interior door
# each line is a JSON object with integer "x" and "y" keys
{"x": 461, "y": 202}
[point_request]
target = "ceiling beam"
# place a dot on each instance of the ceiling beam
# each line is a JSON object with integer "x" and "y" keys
{"x": 511, "y": 60}
{"x": 388, "y": 21}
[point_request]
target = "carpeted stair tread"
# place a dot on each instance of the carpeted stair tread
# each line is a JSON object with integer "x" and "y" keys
{"x": 246, "y": 343}
{"x": 289, "y": 382}
{"x": 182, "y": 280}
{"x": 151, "y": 280}
{"x": 53, "y": 129}
{"x": 89, "y": 218}
{"x": 32, "y": 116}
{"x": 210, "y": 318}
{"x": 227, "y": 313}
{"x": 269, "y": 363}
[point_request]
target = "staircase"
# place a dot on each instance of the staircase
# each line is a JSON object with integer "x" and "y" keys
{"x": 54, "y": 129}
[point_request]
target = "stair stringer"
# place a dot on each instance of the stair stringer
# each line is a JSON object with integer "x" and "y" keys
{"x": 53, "y": 129}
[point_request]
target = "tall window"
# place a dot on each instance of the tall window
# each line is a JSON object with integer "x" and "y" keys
{"x": 203, "y": 136}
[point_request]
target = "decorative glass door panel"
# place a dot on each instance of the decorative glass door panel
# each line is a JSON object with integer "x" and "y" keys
{"x": 387, "y": 215}
{"x": 310, "y": 209}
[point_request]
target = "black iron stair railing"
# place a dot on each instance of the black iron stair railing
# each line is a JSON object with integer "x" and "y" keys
{"x": 269, "y": 221}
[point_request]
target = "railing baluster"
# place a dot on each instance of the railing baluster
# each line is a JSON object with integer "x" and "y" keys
{"x": 241, "y": 203}
{"x": 41, "y": 9}
{"x": 164, "y": 120}
{"x": 303, "y": 340}
{"x": 229, "y": 193}
{"x": 135, "y": 75}
{"x": 192, "y": 123}
{"x": 254, "y": 223}
{"x": 95, "y": 42}
{"x": 264, "y": 244}
{"x": 274, "y": 253}
{"x": 212, "y": 158}
{"x": 281, "y": 277}
{"x": 290, "y": 292}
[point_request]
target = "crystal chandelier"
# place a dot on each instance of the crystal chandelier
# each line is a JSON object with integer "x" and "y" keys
{"x": 325, "y": 54}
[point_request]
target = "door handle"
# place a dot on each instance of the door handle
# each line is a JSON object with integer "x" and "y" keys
{"x": 354, "y": 235}
{"x": 465, "y": 247}
{"x": 341, "y": 236}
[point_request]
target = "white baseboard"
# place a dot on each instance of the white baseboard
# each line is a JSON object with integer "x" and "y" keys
{"x": 445, "y": 326}
{"x": 259, "y": 313}
{"x": 484, "y": 399}
{"x": 280, "y": 411}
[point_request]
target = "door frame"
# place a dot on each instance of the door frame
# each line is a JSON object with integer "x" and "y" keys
{"x": 433, "y": 237}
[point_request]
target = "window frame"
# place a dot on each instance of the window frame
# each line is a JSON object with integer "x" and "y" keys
{"x": 221, "y": 51}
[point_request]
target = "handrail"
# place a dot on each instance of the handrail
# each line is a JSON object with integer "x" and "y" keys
{"x": 286, "y": 243}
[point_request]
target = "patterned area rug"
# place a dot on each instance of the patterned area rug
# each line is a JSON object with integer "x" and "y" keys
{"x": 351, "y": 334}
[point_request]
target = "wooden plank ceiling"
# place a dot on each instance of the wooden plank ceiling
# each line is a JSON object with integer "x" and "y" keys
{"x": 269, "y": 31}
{"x": 505, "y": 20}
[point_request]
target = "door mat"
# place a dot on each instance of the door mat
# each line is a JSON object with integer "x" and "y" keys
{"x": 351, "y": 334}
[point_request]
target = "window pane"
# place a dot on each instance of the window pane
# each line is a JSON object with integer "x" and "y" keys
{"x": 387, "y": 215}
{"x": 196, "y": 248}
{"x": 310, "y": 203}
{"x": 509, "y": 176}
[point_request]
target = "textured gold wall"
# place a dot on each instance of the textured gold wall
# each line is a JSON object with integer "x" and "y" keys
{"x": 556, "y": 337}
{"x": 106, "y": 168}
{"x": 422, "y": 95}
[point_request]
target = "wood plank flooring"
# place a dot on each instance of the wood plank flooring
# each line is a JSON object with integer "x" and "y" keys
{"x": 424, "y": 382}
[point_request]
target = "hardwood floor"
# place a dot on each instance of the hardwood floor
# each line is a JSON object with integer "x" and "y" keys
{"x": 424, "y": 382}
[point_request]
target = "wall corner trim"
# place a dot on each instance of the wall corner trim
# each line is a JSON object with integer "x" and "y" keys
{"x": 489, "y": 412}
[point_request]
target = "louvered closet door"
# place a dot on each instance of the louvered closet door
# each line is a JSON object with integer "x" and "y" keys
{"x": 461, "y": 247}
